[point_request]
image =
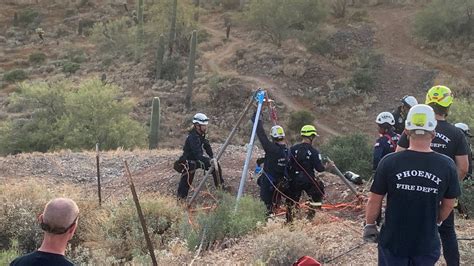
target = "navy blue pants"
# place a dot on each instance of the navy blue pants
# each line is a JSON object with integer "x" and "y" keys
{"x": 449, "y": 241}
{"x": 266, "y": 191}
{"x": 187, "y": 177}
{"x": 386, "y": 258}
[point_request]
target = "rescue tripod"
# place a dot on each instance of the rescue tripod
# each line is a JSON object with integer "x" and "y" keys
{"x": 260, "y": 96}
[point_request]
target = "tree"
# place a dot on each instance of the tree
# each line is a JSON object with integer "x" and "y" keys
{"x": 64, "y": 116}
{"x": 443, "y": 20}
{"x": 279, "y": 18}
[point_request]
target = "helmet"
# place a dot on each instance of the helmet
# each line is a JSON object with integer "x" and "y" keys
{"x": 200, "y": 119}
{"x": 421, "y": 116}
{"x": 277, "y": 132}
{"x": 308, "y": 131}
{"x": 385, "y": 117}
{"x": 441, "y": 95}
{"x": 463, "y": 127}
{"x": 409, "y": 100}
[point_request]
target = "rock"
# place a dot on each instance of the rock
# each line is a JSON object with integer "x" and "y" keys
{"x": 3, "y": 39}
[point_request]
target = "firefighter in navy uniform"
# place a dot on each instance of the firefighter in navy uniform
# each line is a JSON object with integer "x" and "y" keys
{"x": 274, "y": 172}
{"x": 465, "y": 129}
{"x": 421, "y": 186}
{"x": 304, "y": 159}
{"x": 401, "y": 112}
{"x": 193, "y": 156}
{"x": 387, "y": 142}
{"x": 451, "y": 142}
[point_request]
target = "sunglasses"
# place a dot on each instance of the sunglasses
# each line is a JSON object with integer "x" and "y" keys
{"x": 60, "y": 230}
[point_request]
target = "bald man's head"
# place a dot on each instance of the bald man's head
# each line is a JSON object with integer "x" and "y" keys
{"x": 59, "y": 215}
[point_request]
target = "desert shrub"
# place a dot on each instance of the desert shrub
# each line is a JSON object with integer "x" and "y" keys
{"x": 27, "y": 16}
{"x": 224, "y": 221}
{"x": 364, "y": 76}
{"x": 70, "y": 67}
{"x": 298, "y": 119}
{"x": 278, "y": 19}
{"x": 351, "y": 153}
{"x": 85, "y": 27}
{"x": 338, "y": 8}
{"x": 21, "y": 204}
{"x": 37, "y": 58}
{"x": 172, "y": 68}
{"x": 462, "y": 111}
{"x": 467, "y": 197}
{"x": 64, "y": 116}
{"x": 230, "y": 4}
{"x": 283, "y": 247}
{"x": 6, "y": 256}
{"x": 321, "y": 46}
{"x": 444, "y": 20}
{"x": 116, "y": 37}
{"x": 75, "y": 55}
{"x": 124, "y": 232}
{"x": 15, "y": 75}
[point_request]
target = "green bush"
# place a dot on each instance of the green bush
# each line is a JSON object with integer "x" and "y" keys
{"x": 364, "y": 76}
{"x": 27, "y": 16}
{"x": 6, "y": 256}
{"x": 321, "y": 46}
{"x": 444, "y": 20}
{"x": 467, "y": 197}
{"x": 230, "y": 4}
{"x": 15, "y": 75}
{"x": 37, "y": 58}
{"x": 65, "y": 117}
{"x": 283, "y": 246}
{"x": 351, "y": 153}
{"x": 124, "y": 231}
{"x": 172, "y": 68}
{"x": 462, "y": 111}
{"x": 298, "y": 119}
{"x": 279, "y": 19}
{"x": 76, "y": 55}
{"x": 224, "y": 221}
{"x": 70, "y": 67}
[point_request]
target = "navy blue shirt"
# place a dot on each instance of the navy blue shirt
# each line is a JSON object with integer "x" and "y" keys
{"x": 305, "y": 158}
{"x": 40, "y": 258}
{"x": 449, "y": 140}
{"x": 415, "y": 183}
{"x": 193, "y": 148}
{"x": 276, "y": 156}
{"x": 384, "y": 145}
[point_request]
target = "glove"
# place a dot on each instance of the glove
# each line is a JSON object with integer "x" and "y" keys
{"x": 213, "y": 161}
{"x": 258, "y": 169}
{"x": 371, "y": 233}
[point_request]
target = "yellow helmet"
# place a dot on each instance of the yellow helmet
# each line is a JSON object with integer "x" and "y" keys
{"x": 308, "y": 131}
{"x": 440, "y": 95}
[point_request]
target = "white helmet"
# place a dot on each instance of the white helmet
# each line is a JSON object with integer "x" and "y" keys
{"x": 409, "y": 100}
{"x": 385, "y": 117}
{"x": 421, "y": 117}
{"x": 463, "y": 127}
{"x": 200, "y": 119}
{"x": 277, "y": 132}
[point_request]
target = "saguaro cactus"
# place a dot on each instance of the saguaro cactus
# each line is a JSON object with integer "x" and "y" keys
{"x": 192, "y": 60}
{"x": 160, "y": 53}
{"x": 154, "y": 124}
{"x": 172, "y": 35}
{"x": 140, "y": 32}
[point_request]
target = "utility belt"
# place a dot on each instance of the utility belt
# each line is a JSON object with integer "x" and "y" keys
{"x": 182, "y": 164}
